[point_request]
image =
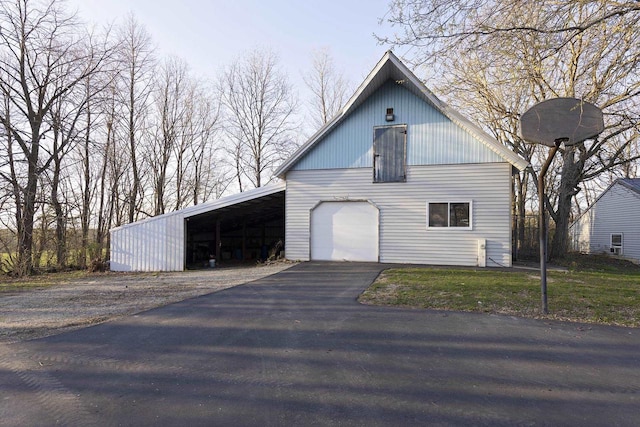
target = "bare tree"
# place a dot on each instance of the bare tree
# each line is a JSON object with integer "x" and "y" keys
{"x": 498, "y": 57}
{"x": 41, "y": 61}
{"x": 136, "y": 79}
{"x": 170, "y": 103}
{"x": 438, "y": 26}
{"x": 201, "y": 172}
{"x": 259, "y": 106}
{"x": 329, "y": 88}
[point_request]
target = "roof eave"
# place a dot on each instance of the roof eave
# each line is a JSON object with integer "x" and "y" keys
{"x": 300, "y": 152}
{"x": 230, "y": 200}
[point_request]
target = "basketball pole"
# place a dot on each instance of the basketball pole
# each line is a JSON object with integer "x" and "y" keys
{"x": 542, "y": 224}
{"x": 554, "y": 122}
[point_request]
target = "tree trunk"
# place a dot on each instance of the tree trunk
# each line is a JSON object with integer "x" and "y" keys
{"x": 570, "y": 178}
{"x": 521, "y": 210}
{"x": 133, "y": 194}
{"x": 61, "y": 249}
{"x": 103, "y": 225}
{"x": 25, "y": 240}
{"x": 86, "y": 195}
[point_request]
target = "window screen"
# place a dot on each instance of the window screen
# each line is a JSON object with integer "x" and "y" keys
{"x": 389, "y": 153}
{"x": 616, "y": 240}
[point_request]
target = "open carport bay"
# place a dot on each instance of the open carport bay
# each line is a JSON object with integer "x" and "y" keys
{"x": 249, "y": 230}
{"x": 239, "y": 227}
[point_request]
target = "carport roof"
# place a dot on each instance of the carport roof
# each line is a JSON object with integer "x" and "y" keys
{"x": 214, "y": 205}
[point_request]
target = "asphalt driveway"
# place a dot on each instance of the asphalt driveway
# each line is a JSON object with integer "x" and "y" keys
{"x": 296, "y": 348}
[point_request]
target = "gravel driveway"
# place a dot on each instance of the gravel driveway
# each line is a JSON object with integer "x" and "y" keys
{"x": 43, "y": 312}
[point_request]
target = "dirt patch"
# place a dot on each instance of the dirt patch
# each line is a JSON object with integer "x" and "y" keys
{"x": 42, "y": 312}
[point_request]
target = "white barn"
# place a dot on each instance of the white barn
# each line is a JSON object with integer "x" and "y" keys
{"x": 397, "y": 176}
{"x": 611, "y": 225}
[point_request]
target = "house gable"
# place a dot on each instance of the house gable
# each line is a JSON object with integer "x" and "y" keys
{"x": 432, "y": 138}
{"x": 613, "y": 212}
{"x": 387, "y": 73}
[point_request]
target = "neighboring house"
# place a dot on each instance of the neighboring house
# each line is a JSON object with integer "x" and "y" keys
{"x": 611, "y": 225}
{"x": 397, "y": 176}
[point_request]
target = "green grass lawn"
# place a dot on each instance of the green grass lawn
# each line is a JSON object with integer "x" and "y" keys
{"x": 592, "y": 292}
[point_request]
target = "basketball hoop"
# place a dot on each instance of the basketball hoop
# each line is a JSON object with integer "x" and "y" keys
{"x": 554, "y": 122}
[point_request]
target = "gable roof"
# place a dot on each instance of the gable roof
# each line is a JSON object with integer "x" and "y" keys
{"x": 391, "y": 68}
{"x": 631, "y": 183}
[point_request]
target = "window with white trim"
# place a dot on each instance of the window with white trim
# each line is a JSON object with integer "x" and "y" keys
{"x": 616, "y": 243}
{"x": 457, "y": 215}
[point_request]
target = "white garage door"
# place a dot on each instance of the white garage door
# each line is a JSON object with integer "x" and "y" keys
{"x": 344, "y": 231}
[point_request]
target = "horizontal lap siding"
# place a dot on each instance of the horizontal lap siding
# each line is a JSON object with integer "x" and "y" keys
{"x": 403, "y": 233}
{"x": 580, "y": 232}
{"x": 616, "y": 212}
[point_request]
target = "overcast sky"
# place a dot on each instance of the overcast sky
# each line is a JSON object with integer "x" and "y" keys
{"x": 209, "y": 34}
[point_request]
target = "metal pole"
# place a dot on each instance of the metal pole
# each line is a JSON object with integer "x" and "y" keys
{"x": 542, "y": 220}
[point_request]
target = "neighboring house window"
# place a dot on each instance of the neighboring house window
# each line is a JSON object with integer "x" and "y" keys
{"x": 390, "y": 153}
{"x": 449, "y": 215}
{"x": 616, "y": 243}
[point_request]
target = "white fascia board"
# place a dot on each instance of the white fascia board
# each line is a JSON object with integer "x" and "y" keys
{"x": 234, "y": 199}
{"x": 460, "y": 120}
{"x": 488, "y": 140}
{"x": 613, "y": 184}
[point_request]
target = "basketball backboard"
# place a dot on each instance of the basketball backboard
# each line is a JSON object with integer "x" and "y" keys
{"x": 568, "y": 120}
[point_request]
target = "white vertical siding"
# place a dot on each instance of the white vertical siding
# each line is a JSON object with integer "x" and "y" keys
{"x": 616, "y": 211}
{"x": 404, "y": 237}
{"x": 156, "y": 244}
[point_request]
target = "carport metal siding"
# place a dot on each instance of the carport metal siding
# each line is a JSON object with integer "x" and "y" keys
{"x": 403, "y": 234}
{"x": 432, "y": 138}
{"x": 156, "y": 244}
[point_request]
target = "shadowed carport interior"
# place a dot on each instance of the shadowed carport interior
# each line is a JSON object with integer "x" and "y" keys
{"x": 244, "y": 231}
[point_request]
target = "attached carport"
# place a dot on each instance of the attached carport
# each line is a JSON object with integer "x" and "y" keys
{"x": 240, "y": 227}
{"x": 247, "y": 230}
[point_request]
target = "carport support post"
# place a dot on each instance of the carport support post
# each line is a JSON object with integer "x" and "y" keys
{"x": 542, "y": 221}
{"x": 218, "y": 241}
{"x": 244, "y": 240}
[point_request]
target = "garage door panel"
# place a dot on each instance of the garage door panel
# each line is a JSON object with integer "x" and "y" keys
{"x": 344, "y": 231}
